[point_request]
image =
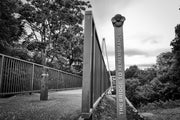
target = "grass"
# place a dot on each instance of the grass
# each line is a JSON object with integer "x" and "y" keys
{"x": 61, "y": 105}
{"x": 106, "y": 110}
{"x": 169, "y": 110}
{"x": 160, "y": 105}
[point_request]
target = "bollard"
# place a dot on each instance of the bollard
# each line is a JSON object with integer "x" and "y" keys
{"x": 44, "y": 80}
{"x": 117, "y": 22}
{"x": 44, "y": 86}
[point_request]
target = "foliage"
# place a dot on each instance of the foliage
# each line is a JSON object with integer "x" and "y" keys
{"x": 12, "y": 27}
{"x": 131, "y": 72}
{"x": 131, "y": 94}
{"x": 159, "y": 105}
{"x": 55, "y": 30}
{"x": 175, "y": 68}
{"x": 160, "y": 82}
{"x": 151, "y": 84}
{"x": 106, "y": 110}
{"x": 164, "y": 62}
{"x": 113, "y": 73}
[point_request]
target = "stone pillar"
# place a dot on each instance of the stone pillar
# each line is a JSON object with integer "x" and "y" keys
{"x": 117, "y": 22}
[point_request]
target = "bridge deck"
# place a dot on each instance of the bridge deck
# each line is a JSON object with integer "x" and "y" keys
{"x": 61, "y": 105}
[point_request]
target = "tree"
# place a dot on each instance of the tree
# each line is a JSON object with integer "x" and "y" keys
{"x": 164, "y": 62}
{"x": 55, "y": 29}
{"x": 131, "y": 94}
{"x": 12, "y": 27}
{"x": 175, "y": 68}
{"x": 145, "y": 76}
{"x": 131, "y": 72}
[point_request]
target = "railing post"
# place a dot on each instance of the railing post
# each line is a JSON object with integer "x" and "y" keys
{"x": 32, "y": 78}
{"x": 87, "y": 66}
{"x": 1, "y": 73}
{"x": 57, "y": 80}
{"x": 117, "y": 22}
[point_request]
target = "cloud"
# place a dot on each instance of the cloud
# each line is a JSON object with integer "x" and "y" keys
{"x": 138, "y": 52}
{"x": 130, "y": 52}
{"x": 103, "y": 9}
{"x": 154, "y": 39}
{"x": 147, "y": 53}
{"x": 147, "y": 38}
{"x": 133, "y": 52}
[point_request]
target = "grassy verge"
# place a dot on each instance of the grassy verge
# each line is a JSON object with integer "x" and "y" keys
{"x": 106, "y": 110}
{"x": 169, "y": 110}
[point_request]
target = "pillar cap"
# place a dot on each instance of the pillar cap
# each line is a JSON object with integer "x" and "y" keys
{"x": 118, "y": 20}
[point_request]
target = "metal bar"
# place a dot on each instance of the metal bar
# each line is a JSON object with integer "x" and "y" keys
{"x": 65, "y": 80}
{"x": 18, "y": 75}
{"x": 15, "y": 76}
{"x": 32, "y": 78}
{"x": 22, "y": 76}
{"x": 24, "y": 80}
{"x": 17, "y": 67}
{"x": 11, "y": 76}
{"x": 38, "y": 65}
{"x": 1, "y": 74}
{"x": 8, "y": 76}
{"x": 5, "y": 79}
{"x": 57, "y": 81}
{"x": 62, "y": 78}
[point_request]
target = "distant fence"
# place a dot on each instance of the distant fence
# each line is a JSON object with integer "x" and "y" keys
{"x": 96, "y": 79}
{"x": 18, "y": 76}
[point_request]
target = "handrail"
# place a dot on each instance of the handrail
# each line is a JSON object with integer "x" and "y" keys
{"x": 38, "y": 64}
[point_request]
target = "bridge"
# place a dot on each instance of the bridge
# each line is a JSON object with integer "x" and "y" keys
{"x": 53, "y": 98}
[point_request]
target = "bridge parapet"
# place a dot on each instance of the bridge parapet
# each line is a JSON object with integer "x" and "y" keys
{"x": 96, "y": 79}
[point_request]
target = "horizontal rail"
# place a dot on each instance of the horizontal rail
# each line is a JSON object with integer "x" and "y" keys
{"x": 38, "y": 65}
{"x": 20, "y": 76}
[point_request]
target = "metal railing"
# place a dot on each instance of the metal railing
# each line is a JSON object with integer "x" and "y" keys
{"x": 19, "y": 76}
{"x": 96, "y": 79}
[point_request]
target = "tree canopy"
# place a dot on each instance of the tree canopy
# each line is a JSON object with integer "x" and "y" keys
{"x": 55, "y": 26}
{"x": 12, "y": 28}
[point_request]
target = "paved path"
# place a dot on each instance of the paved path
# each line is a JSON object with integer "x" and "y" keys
{"x": 61, "y": 105}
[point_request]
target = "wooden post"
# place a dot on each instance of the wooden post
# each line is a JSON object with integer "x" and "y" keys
{"x": 117, "y": 22}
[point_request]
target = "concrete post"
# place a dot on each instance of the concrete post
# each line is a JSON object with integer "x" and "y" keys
{"x": 87, "y": 66}
{"x": 44, "y": 80}
{"x": 117, "y": 22}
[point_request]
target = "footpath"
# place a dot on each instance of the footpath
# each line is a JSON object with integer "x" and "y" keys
{"x": 61, "y": 105}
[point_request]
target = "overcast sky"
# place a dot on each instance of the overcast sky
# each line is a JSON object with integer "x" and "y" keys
{"x": 148, "y": 29}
